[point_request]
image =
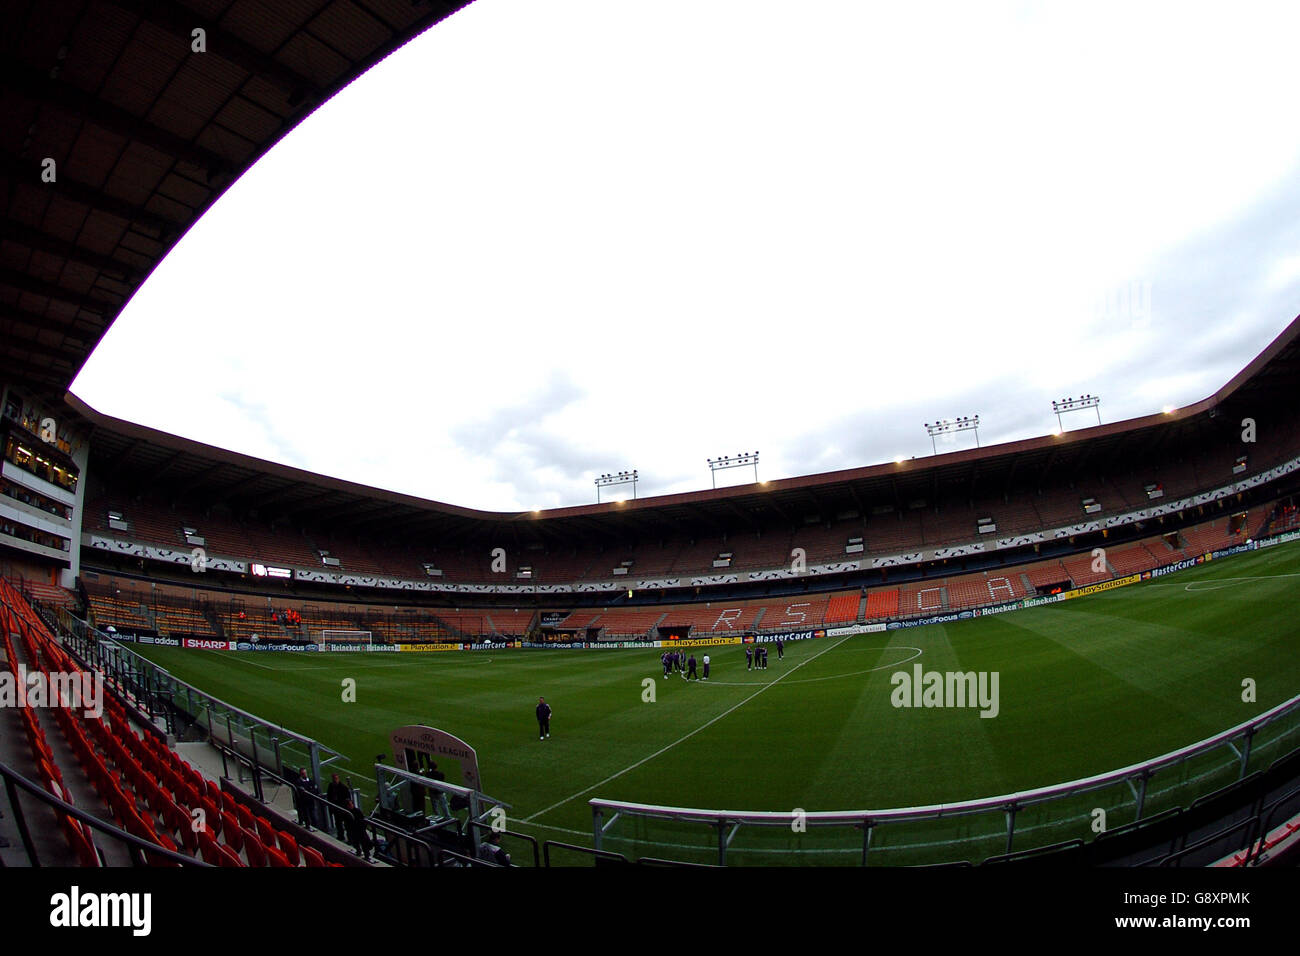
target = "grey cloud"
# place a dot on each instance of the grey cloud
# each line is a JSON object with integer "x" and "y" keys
{"x": 520, "y": 418}
{"x": 1211, "y": 312}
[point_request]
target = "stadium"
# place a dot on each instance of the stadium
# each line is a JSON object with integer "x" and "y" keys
{"x": 1077, "y": 648}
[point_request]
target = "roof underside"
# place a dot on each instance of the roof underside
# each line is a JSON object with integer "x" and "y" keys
{"x": 140, "y": 134}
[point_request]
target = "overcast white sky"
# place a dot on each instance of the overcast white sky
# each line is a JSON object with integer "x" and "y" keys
{"x": 550, "y": 240}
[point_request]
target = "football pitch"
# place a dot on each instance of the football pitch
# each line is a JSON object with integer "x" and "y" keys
{"x": 1083, "y": 687}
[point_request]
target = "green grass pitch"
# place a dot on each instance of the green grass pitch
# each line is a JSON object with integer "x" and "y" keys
{"x": 1085, "y": 686}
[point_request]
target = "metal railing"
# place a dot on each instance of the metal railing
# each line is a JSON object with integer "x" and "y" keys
{"x": 142, "y": 851}
{"x": 397, "y": 786}
{"x": 989, "y": 826}
{"x": 157, "y": 692}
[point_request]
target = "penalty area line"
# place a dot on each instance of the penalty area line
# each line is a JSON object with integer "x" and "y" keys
{"x": 684, "y": 737}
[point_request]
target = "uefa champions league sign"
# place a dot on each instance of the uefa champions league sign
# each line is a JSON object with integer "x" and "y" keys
{"x": 409, "y": 742}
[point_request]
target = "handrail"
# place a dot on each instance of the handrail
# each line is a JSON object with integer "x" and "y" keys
{"x": 120, "y": 648}
{"x": 1017, "y": 799}
{"x": 14, "y": 780}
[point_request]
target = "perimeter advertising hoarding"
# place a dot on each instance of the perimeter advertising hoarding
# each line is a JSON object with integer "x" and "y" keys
{"x": 937, "y": 619}
{"x": 301, "y": 648}
{"x": 1103, "y": 586}
{"x": 793, "y": 636}
{"x": 700, "y": 642}
{"x": 847, "y": 629}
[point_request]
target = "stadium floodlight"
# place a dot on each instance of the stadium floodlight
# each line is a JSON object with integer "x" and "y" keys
{"x": 620, "y": 478}
{"x": 946, "y": 426}
{"x": 1063, "y": 405}
{"x": 742, "y": 460}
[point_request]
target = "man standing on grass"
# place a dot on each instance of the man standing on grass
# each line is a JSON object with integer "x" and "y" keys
{"x": 543, "y": 718}
{"x": 749, "y": 657}
{"x": 780, "y": 649}
{"x": 706, "y": 666}
{"x": 690, "y": 664}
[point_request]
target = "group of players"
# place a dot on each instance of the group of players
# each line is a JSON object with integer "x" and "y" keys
{"x": 676, "y": 662}
{"x": 756, "y": 657}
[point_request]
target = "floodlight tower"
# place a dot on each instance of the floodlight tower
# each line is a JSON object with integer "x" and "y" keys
{"x": 621, "y": 478}
{"x": 945, "y": 426}
{"x": 742, "y": 460}
{"x": 1075, "y": 404}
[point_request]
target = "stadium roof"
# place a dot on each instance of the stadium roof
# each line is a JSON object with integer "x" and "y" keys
{"x": 145, "y": 134}
{"x": 144, "y": 460}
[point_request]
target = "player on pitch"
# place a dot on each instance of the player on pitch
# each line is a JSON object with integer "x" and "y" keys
{"x": 543, "y": 718}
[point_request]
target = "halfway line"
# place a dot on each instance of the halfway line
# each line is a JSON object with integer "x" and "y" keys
{"x": 615, "y": 776}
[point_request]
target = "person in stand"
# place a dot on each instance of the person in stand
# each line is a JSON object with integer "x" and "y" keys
{"x": 357, "y": 834}
{"x": 749, "y": 657}
{"x": 338, "y": 794}
{"x": 691, "y": 675}
{"x": 543, "y": 719}
{"x": 308, "y": 799}
{"x": 491, "y": 850}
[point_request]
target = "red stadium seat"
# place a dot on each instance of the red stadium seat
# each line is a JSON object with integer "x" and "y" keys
{"x": 253, "y": 849}
{"x": 232, "y": 832}
{"x": 228, "y": 856}
{"x": 288, "y": 846}
{"x": 276, "y": 858}
{"x": 208, "y": 847}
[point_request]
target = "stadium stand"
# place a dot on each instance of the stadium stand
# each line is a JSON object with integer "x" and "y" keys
{"x": 1081, "y": 569}
{"x": 714, "y": 618}
{"x": 145, "y": 787}
{"x": 165, "y": 608}
{"x": 882, "y": 604}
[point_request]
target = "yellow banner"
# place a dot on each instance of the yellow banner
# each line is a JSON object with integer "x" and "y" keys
{"x": 429, "y": 647}
{"x": 701, "y": 642}
{"x": 1104, "y": 586}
